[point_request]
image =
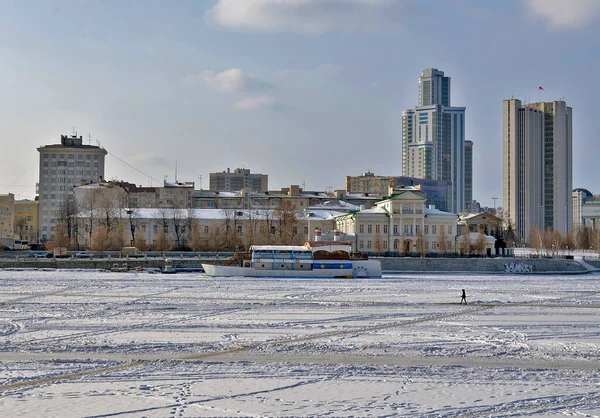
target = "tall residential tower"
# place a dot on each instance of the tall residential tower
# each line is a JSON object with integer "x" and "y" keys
{"x": 63, "y": 166}
{"x": 537, "y": 166}
{"x": 433, "y": 139}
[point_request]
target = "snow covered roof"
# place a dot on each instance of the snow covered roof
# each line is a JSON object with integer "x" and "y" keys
{"x": 211, "y": 214}
{"x": 335, "y": 204}
{"x": 375, "y": 209}
{"x": 437, "y": 212}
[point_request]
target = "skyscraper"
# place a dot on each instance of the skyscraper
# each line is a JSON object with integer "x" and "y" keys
{"x": 433, "y": 138}
{"x": 468, "y": 174}
{"x": 63, "y": 166}
{"x": 537, "y": 166}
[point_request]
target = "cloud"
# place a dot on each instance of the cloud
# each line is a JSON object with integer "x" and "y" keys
{"x": 255, "y": 103}
{"x": 565, "y": 14}
{"x": 232, "y": 80}
{"x": 311, "y": 16}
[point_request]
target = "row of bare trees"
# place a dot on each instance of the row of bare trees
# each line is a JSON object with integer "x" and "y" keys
{"x": 108, "y": 224}
{"x": 552, "y": 242}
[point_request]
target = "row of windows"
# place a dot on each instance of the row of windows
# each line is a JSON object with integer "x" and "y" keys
{"x": 408, "y": 229}
{"x": 69, "y": 156}
{"x": 69, "y": 164}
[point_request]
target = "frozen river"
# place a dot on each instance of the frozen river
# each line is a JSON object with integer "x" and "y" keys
{"x": 87, "y": 343}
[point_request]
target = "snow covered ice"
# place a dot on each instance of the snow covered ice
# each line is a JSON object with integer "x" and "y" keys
{"x": 91, "y": 343}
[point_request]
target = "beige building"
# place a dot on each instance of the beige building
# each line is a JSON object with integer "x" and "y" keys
{"x": 7, "y": 218}
{"x": 537, "y": 166}
{"x": 26, "y": 220}
{"x": 400, "y": 224}
{"x": 238, "y": 179}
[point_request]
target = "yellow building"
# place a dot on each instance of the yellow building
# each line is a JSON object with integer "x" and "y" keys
{"x": 26, "y": 220}
{"x": 7, "y": 216}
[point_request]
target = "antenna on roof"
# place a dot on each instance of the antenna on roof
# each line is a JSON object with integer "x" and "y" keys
{"x": 74, "y": 131}
{"x": 89, "y": 139}
{"x": 175, "y": 171}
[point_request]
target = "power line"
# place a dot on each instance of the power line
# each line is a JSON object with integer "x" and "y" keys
{"x": 130, "y": 166}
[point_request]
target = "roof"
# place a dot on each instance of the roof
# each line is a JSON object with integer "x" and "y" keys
{"x": 213, "y": 214}
{"x": 437, "y": 212}
{"x": 297, "y": 248}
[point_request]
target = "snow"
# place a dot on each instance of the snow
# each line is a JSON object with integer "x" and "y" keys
{"x": 92, "y": 343}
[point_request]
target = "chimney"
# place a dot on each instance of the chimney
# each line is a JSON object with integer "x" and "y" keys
{"x": 317, "y": 234}
{"x": 336, "y": 235}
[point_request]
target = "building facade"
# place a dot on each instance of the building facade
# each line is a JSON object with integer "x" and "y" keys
{"x": 401, "y": 224}
{"x": 435, "y": 191}
{"x": 63, "y": 166}
{"x": 468, "y": 174}
{"x": 238, "y": 179}
{"x": 537, "y": 166}
{"x": 26, "y": 224}
{"x": 7, "y": 219}
{"x": 433, "y": 138}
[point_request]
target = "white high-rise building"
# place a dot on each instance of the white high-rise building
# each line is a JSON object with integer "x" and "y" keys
{"x": 63, "y": 166}
{"x": 433, "y": 138}
{"x": 537, "y": 166}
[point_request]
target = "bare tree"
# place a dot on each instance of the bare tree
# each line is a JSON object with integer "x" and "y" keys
{"x": 59, "y": 239}
{"x": 140, "y": 243}
{"x": 195, "y": 237}
{"x": 67, "y": 215}
{"x": 100, "y": 239}
{"x": 163, "y": 241}
{"x": 480, "y": 244}
{"x": 286, "y": 216}
{"x": 179, "y": 219}
{"x": 442, "y": 243}
{"x": 536, "y": 239}
{"x": 117, "y": 237}
{"x": 90, "y": 207}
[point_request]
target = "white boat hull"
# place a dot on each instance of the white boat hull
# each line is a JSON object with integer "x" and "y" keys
{"x": 360, "y": 269}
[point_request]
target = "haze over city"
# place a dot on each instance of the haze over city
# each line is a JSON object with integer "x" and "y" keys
{"x": 304, "y": 91}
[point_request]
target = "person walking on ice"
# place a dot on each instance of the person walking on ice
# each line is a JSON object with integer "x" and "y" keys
{"x": 463, "y": 298}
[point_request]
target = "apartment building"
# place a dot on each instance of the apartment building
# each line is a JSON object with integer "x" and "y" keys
{"x": 62, "y": 167}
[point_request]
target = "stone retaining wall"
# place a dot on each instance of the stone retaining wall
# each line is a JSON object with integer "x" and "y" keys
{"x": 482, "y": 265}
{"x": 388, "y": 264}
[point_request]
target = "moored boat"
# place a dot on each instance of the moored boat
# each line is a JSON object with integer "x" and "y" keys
{"x": 314, "y": 259}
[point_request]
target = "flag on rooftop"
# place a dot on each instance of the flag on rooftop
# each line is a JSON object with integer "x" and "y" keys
{"x": 540, "y": 88}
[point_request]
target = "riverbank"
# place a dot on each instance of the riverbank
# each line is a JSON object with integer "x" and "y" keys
{"x": 388, "y": 264}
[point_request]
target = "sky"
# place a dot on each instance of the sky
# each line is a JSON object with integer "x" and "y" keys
{"x": 306, "y": 91}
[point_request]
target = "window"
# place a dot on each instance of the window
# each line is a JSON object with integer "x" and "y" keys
{"x": 368, "y": 244}
{"x": 369, "y": 229}
{"x": 206, "y": 229}
{"x": 426, "y": 229}
{"x": 377, "y": 229}
{"x": 361, "y": 228}
{"x": 405, "y": 229}
{"x": 395, "y": 229}
{"x": 385, "y": 229}
{"x": 417, "y": 229}
{"x": 450, "y": 229}
{"x": 385, "y": 245}
{"x": 434, "y": 229}
{"x": 361, "y": 244}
